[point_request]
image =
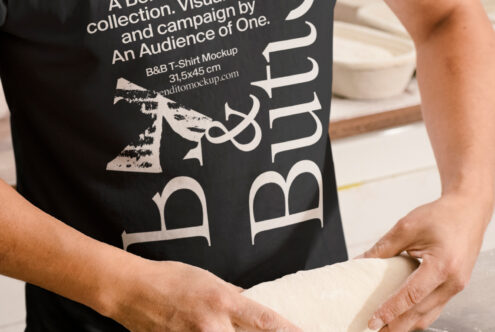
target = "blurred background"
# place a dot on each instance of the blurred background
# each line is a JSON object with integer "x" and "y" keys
{"x": 384, "y": 163}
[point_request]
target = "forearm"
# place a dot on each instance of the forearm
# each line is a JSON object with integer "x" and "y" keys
{"x": 455, "y": 46}
{"x": 41, "y": 250}
{"x": 456, "y": 74}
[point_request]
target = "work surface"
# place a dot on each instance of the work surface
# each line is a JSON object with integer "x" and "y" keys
{"x": 473, "y": 310}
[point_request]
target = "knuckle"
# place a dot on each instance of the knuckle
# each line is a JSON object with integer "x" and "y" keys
{"x": 224, "y": 302}
{"x": 218, "y": 300}
{"x": 410, "y": 298}
{"x": 443, "y": 271}
{"x": 420, "y": 312}
{"x": 378, "y": 248}
{"x": 455, "y": 277}
{"x": 413, "y": 296}
{"x": 266, "y": 320}
{"x": 451, "y": 266}
{"x": 387, "y": 316}
{"x": 405, "y": 225}
{"x": 459, "y": 283}
{"x": 421, "y": 325}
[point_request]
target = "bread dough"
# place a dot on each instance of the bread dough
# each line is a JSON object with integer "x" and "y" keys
{"x": 336, "y": 298}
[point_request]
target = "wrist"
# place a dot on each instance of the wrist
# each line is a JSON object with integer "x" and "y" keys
{"x": 473, "y": 183}
{"x": 117, "y": 280}
{"x": 132, "y": 280}
{"x": 483, "y": 194}
{"x": 481, "y": 198}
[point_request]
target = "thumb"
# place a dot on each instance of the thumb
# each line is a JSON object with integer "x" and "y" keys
{"x": 391, "y": 244}
{"x": 252, "y": 316}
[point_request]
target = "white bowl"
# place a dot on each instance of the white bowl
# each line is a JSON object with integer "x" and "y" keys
{"x": 370, "y": 64}
{"x": 346, "y": 10}
{"x": 379, "y": 15}
{"x": 490, "y": 9}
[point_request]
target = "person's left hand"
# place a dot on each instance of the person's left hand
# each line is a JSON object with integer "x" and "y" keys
{"x": 447, "y": 235}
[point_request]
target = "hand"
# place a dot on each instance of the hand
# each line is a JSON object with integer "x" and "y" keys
{"x": 171, "y": 296}
{"x": 447, "y": 235}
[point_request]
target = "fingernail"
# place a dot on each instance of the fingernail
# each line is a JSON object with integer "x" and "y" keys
{"x": 376, "y": 324}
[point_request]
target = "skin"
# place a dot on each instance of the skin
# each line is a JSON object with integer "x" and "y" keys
{"x": 455, "y": 45}
{"x": 141, "y": 294}
{"x": 456, "y": 72}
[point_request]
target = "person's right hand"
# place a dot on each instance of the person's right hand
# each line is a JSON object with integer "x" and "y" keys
{"x": 171, "y": 296}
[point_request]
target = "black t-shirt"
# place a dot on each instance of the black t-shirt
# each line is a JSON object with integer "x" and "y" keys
{"x": 186, "y": 130}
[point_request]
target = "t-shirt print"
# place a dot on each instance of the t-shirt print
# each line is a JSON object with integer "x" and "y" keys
{"x": 200, "y": 24}
{"x": 184, "y": 130}
{"x": 193, "y": 131}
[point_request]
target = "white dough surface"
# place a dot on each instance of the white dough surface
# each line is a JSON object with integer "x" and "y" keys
{"x": 336, "y": 298}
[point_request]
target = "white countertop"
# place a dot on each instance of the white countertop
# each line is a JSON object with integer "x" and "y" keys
{"x": 473, "y": 309}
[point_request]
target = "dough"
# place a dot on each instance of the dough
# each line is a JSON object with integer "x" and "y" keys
{"x": 336, "y": 298}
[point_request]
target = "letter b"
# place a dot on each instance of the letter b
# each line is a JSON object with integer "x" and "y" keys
{"x": 164, "y": 234}
{"x": 305, "y": 166}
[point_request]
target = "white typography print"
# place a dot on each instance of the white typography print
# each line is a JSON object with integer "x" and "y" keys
{"x": 300, "y": 11}
{"x": 309, "y": 108}
{"x": 305, "y": 166}
{"x": 247, "y": 120}
{"x": 291, "y": 44}
{"x": 297, "y": 143}
{"x": 272, "y": 83}
{"x": 144, "y": 154}
{"x": 176, "y": 184}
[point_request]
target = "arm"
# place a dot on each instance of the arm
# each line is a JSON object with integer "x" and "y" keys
{"x": 41, "y": 250}
{"x": 455, "y": 45}
{"x": 138, "y": 293}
